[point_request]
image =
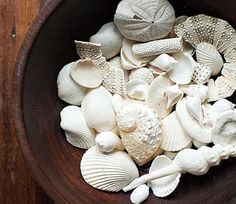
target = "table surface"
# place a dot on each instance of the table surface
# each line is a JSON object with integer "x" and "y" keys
{"x": 16, "y": 182}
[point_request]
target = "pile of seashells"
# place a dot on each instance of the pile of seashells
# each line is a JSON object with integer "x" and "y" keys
{"x": 143, "y": 85}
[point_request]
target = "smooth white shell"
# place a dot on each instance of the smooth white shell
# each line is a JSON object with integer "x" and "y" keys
{"x": 139, "y": 194}
{"x": 173, "y": 94}
{"x": 137, "y": 89}
{"x": 200, "y": 91}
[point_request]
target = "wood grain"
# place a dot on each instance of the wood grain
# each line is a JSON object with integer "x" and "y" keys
{"x": 16, "y": 182}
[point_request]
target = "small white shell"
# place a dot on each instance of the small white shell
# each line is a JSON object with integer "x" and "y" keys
{"x": 86, "y": 73}
{"x": 139, "y": 194}
{"x": 110, "y": 39}
{"x": 200, "y": 91}
{"x": 76, "y": 129}
{"x": 107, "y": 172}
{"x": 68, "y": 90}
{"x": 142, "y": 74}
{"x": 162, "y": 187}
{"x": 202, "y": 74}
{"x": 137, "y": 89}
{"x": 174, "y": 94}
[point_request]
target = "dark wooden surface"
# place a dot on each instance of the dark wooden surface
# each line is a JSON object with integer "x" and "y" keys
{"x": 16, "y": 182}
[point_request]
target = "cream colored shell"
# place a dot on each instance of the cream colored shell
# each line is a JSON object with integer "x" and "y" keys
{"x": 139, "y": 194}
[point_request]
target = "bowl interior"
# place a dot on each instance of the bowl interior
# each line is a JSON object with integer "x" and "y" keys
{"x": 56, "y": 158}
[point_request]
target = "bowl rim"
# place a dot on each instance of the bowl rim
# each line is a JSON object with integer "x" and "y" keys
{"x": 17, "y": 104}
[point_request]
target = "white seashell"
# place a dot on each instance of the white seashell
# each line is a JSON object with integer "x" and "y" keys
{"x": 108, "y": 141}
{"x": 143, "y": 73}
{"x": 68, "y": 90}
{"x": 139, "y": 194}
{"x": 156, "y": 96}
{"x": 102, "y": 64}
{"x": 224, "y": 129}
{"x": 174, "y": 138}
{"x": 229, "y": 70}
{"x": 202, "y": 74}
{"x": 200, "y": 91}
{"x": 137, "y": 89}
{"x": 210, "y": 155}
{"x": 208, "y": 55}
{"x": 107, "y": 172}
{"x": 98, "y": 110}
{"x": 170, "y": 155}
{"x": 144, "y": 20}
{"x": 183, "y": 70}
{"x": 162, "y": 187}
{"x": 157, "y": 47}
{"x": 174, "y": 94}
{"x": 77, "y": 132}
{"x": 110, "y": 39}
{"x": 86, "y": 73}
{"x": 198, "y": 144}
{"x": 140, "y": 131}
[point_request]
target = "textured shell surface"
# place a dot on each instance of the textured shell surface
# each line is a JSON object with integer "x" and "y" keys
{"x": 139, "y": 194}
{"x": 229, "y": 70}
{"x": 140, "y": 131}
{"x": 110, "y": 39}
{"x": 144, "y": 20}
{"x": 68, "y": 90}
{"x": 137, "y": 89}
{"x": 99, "y": 100}
{"x": 174, "y": 137}
{"x": 208, "y": 55}
{"x": 156, "y": 98}
{"x": 174, "y": 94}
{"x": 106, "y": 171}
{"x": 164, "y": 186}
{"x": 201, "y": 74}
{"x": 210, "y": 155}
{"x": 86, "y": 73}
{"x": 194, "y": 90}
{"x": 78, "y": 133}
{"x": 143, "y": 73}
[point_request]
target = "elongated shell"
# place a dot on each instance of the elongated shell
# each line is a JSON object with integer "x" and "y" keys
{"x": 107, "y": 172}
{"x": 144, "y": 20}
{"x": 139, "y": 194}
{"x": 78, "y": 133}
{"x": 140, "y": 131}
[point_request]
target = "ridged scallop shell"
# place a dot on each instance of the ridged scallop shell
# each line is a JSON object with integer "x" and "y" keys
{"x": 143, "y": 73}
{"x": 137, "y": 89}
{"x": 162, "y": 187}
{"x": 202, "y": 74}
{"x": 77, "y": 132}
{"x": 144, "y": 20}
{"x": 208, "y": 55}
{"x": 107, "y": 172}
{"x": 110, "y": 39}
{"x": 173, "y": 94}
{"x": 68, "y": 90}
{"x": 229, "y": 70}
{"x": 140, "y": 131}
{"x": 139, "y": 194}
{"x": 200, "y": 91}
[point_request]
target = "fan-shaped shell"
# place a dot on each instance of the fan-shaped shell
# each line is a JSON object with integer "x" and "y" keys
{"x": 144, "y": 20}
{"x": 140, "y": 131}
{"x": 143, "y": 73}
{"x": 137, "y": 89}
{"x": 107, "y": 172}
{"x": 78, "y": 133}
{"x": 139, "y": 194}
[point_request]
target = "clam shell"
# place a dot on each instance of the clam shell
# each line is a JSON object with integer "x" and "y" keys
{"x": 202, "y": 74}
{"x": 140, "y": 131}
{"x": 68, "y": 90}
{"x": 200, "y": 91}
{"x": 96, "y": 101}
{"x": 143, "y": 73}
{"x": 86, "y": 73}
{"x": 78, "y": 133}
{"x": 144, "y": 20}
{"x": 106, "y": 171}
{"x": 174, "y": 94}
{"x": 110, "y": 39}
{"x": 163, "y": 187}
{"x": 139, "y": 194}
{"x": 229, "y": 70}
{"x": 137, "y": 89}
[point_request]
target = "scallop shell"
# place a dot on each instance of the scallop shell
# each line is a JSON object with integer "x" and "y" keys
{"x": 200, "y": 91}
{"x": 202, "y": 74}
{"x": 144, "y": 20}
{"x": 106, "y": 171}
{"x": 157, "y": 47}
{"x": 142, "y": 74}
{"x": 86, "y": 73}
{"x": 229, "y": 70}
{"x": 68, "y": 90}
{"x": 110, "y": 39}
{"x": 139, "y": 194}
{"x": 162, "y": 187}
{"x": 174, "y": 94}
{"x": 137, "y": 89}
{"x": 78, "y": 133}
{"x": 96, "y": 101}
{"x": 208, "y": 55}
{"x": 140, "y": 131}
{"x": 174, "y": 138}
{"x": 156, "y": 98}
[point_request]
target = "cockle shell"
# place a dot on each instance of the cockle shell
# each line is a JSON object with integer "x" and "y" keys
{"x": 107, "y": 172}
{"x": 78, "y": 133}
{"x": 108, "y": 141}
{"x": 137, "y": 89}
{"x": 229, "y": 70}
{"x": 68, "y": 90}
{"x": 173, "y": 94}
{"x": 110, "y": 39}
{"x": 86, "y": 73}
{"x": 143, "y": 73}
{"x": 162, "y": 187}
{"x": 208, "y": 55}
{"x": 200, "y": 91}
{"x": 156, "y": 97}
{"x": 140, "y": 131}
{"x": 202, "y": 74}
{"x": 157, "y": 47}
{"x": 98, "y": 110}
{"x": 174, "y": 137}
{"x": 139, "y": 194}
{"x": 144, "y": 20}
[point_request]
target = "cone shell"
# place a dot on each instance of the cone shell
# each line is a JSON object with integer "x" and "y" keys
{"x": 202, "y": 74}
{"x": 143, "y": 73}
{"x": 106, "y": 171}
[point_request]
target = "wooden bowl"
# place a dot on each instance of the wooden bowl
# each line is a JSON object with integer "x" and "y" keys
{"x": 55, "y": 163}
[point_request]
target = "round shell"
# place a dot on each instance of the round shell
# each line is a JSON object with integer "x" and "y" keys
{"x": 139, "y": 194}
{"x": 202, "y": 74}
{"x": 142, "y": 74}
